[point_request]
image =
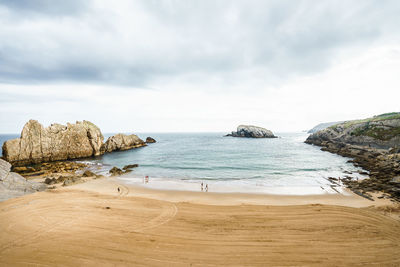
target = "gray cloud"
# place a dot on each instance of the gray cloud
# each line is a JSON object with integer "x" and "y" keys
{"x": 137, "y": 44}
{"x": 45, "y": 7}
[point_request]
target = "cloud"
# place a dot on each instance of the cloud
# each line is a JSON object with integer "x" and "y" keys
{"x": 197, "y": 65}
{"x": 144, "y": 42}
{"x": 45, "y": 7}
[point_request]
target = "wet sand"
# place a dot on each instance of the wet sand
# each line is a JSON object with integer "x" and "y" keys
{"x": 94, "y": 224}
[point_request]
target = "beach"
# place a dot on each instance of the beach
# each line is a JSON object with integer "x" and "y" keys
{"x": 93, "y": 224}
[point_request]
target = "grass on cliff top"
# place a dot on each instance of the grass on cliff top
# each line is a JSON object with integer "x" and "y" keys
{"x": 381, "y": 117}
{"x": 377, "y": 132}
{"x": 374, "y": 131}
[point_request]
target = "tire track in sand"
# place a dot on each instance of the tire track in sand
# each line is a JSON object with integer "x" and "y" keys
{"x": 168, "y": 212}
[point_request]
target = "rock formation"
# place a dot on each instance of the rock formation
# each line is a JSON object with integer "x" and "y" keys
{"x": 377, "y": 132}
{"x": 374, "y": 144}
{"x": 123, "y": 142}
{"x": 12, "y": 184}
{"x": 56, "y": 142}
{"x": 252, "y": 132}
{"x": 59, "y": 142}
{"x": 150, "y": 140}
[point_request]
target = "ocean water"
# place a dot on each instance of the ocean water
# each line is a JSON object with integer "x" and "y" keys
{"x": 181, "y": 161}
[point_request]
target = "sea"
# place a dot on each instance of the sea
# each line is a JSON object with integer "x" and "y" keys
{"x": 183, "y": 161}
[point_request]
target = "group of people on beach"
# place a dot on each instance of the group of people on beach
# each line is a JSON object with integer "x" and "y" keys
{"x": 202, "y": 187}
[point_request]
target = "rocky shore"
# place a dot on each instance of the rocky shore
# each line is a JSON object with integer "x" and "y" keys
{"x": 43, "y": 156}
{"x": 251, "y": 131}
{"x": 12, "y": 184}
{"x": 374, "y": 145}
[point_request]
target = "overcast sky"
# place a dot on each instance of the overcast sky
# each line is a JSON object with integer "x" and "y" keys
{"x": 155, "y": 66}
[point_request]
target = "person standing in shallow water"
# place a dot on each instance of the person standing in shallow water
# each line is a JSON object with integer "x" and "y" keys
{"x": 206, "y": 187}
{"x": 201, "y": 186}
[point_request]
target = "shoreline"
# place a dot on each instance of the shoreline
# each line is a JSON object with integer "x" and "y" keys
{"x": 109, "y": 186}
{"x": 95, "y": 224}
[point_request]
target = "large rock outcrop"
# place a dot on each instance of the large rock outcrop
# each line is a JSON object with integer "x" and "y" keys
{"x": 56, "y": 142}
{"x": 123, "y": 142}
{"x": 374, "y": 145}
{"x": 381, "y": 131}
{"x": 252, "y": 132}
{"x": 12, "y": 184}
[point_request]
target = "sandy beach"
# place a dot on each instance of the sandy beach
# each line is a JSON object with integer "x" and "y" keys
{"x": 94, "y": 224}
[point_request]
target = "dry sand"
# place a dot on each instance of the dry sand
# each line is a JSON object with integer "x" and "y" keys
{"x": 93, "y": 224}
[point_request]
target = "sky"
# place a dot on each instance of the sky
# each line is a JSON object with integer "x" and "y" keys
{"x": 197, "y": 65}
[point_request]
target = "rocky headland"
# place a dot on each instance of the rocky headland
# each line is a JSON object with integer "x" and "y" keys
{"x": 374, "y": 145}
{"x": 251, "y": 131}
{"x": 45, "y": 155}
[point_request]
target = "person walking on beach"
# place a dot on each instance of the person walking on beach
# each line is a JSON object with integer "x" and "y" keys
{"x": 206, "y": 187}
{"x": 146, "y": 179}
{"x": 118, "y": 190}
{"x": 201, "y": 186}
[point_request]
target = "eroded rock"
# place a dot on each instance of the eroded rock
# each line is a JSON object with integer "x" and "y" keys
{"x": 56, "y": 142}
{"x": 252, "y": 132}
{"x": 123, "y": 142}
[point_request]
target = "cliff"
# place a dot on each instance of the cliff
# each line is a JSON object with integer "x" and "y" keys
{"x": 382, "y": 131}
{"x": 374, "y": 144}
{"x": 56, "y": 142}
{"x": 59, "y": 142}
{"x": 252, "y": 132}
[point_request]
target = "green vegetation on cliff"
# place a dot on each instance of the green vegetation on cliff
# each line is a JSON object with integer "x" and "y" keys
{"x": 370, "y": 127}
{"x": 385, "y": 116}
{"x": 377, "y": 132}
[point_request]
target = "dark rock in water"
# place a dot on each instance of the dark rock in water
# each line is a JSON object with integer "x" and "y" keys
{"x": 150, "y": 140}
{"x": 130, "y": 166}
{"x": 56, "y": 142}
{"x": 121, "y": 142}
{"x": 88, "y": 173}
{"x": 116, "y": 171}
{"x": 252, "y": 132}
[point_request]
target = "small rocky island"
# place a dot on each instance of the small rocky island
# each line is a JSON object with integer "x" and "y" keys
{"x": 374, "y": 145}
{"x": 251, "y": 131}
